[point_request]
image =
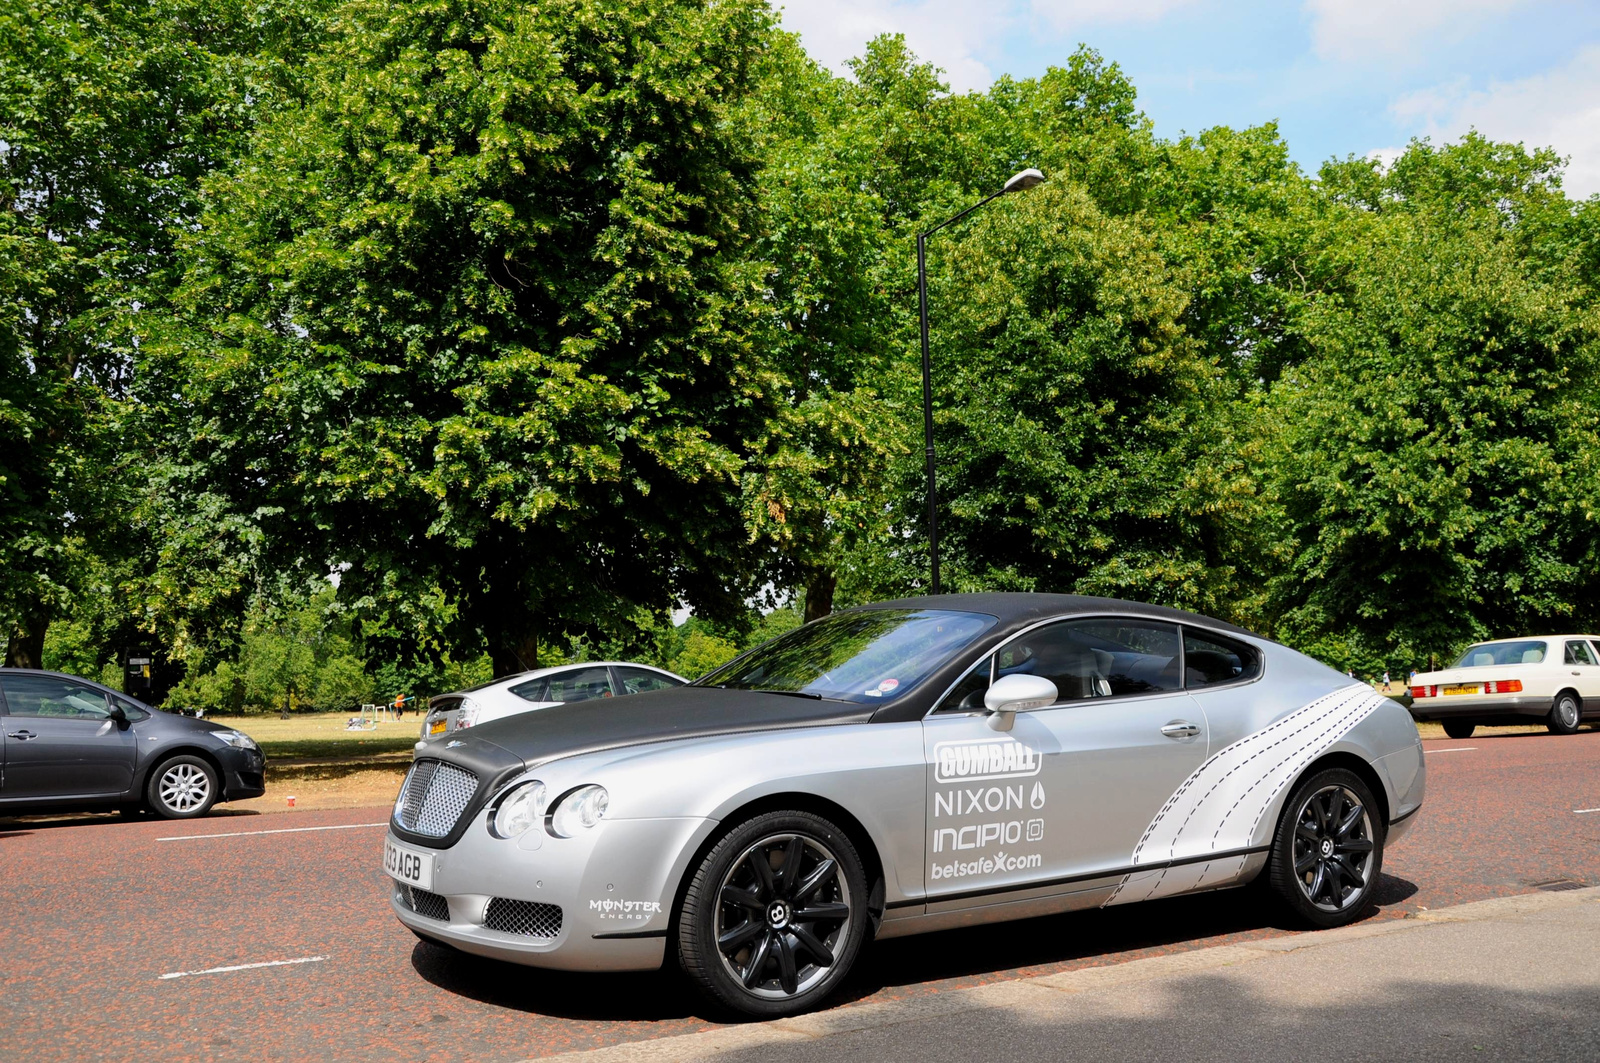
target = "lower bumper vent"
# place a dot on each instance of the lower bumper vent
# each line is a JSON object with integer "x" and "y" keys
{"x": 428, "y": 905}
{"x": 528, "y": 918}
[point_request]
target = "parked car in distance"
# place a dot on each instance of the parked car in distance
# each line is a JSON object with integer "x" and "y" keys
{"x": 71, "y": 743}
{"x": 541, "y": 688}
{"x": 1554, "y": 678}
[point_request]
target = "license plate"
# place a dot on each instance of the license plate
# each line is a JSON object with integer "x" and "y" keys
{"x": 436, "y": 727}
{"x": 407, "y": 865}
{"x": 1464, "y": 688}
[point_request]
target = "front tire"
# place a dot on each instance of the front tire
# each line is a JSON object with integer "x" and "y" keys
{"x": 1328, "y": 851}
{"x": 1565, "y": 715}
{"x": 775, "y": 915}
{"x": 1459, "y": 728}
{"x": 184, "y": 787}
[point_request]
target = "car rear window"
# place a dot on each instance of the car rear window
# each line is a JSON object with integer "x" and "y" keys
{"x": 1485, "y": 654}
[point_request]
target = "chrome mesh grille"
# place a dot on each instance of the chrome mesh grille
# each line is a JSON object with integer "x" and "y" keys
{"x": 528, "y": 918}
{"x": 434, "y": 796}
{"x": 428, "y": 905}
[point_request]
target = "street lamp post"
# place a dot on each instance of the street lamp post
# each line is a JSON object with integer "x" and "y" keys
{"x": 1019, "y": 182}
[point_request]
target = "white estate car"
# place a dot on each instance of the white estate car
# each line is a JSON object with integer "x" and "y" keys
{"x": 540, "y": 689}
{"x": 1555, "y": 678}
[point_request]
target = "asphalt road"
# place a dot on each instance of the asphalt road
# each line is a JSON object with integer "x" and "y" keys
{"x": 137, "y": 940}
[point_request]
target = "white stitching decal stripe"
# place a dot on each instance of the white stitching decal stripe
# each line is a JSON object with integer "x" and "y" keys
{"x": 1232, "y": 791}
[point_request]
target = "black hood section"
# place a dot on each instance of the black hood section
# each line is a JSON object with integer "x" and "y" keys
{"x": 659, "y": 715}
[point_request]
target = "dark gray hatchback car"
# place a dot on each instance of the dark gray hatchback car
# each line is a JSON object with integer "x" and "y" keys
{"x": 67, "y": 743}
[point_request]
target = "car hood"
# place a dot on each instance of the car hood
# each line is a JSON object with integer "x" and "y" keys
{"x": 543, "y": 735}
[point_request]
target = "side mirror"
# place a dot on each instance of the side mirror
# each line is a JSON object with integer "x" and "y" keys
{"x": 1012, "y": 694}
{"x": 117, "y": 713}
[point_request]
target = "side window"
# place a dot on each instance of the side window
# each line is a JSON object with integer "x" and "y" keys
{"x": 133, "y": 712}
{"x": 1209, "y": 660}
{"x": 639, "y": 680}
{"x": 46, "y": 696}
{"x": 967, "y": 695}
{"x": 532, "y": 690}
{"x": 584, "y": 684}
{"x": 1579, "y": 653}
{"x": 1097, "y": 658}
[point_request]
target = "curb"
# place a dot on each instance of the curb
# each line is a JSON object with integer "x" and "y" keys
{"x": 1019, "y": 992}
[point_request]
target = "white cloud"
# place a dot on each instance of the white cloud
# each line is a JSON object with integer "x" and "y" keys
{"x": 959, "y": 36}
{"x": 1386, "y": 156}
{"x": 1558, "y": 109}
{"x": 1364, "y": 30}
{"x": 950, "y": 34}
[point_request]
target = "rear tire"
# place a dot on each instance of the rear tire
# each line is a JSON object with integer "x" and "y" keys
{"x": 1566, "y": 716}
{"x": 184, "y": 787}
{"x": 1328, "y": 851}
{"x": 774, "y": 916}
{"x": 1459, "y": 728}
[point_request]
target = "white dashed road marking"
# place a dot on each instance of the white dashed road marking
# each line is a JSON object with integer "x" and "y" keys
{"x": 1452, "y": 749}
{"x": 280, "y": 830}
{"x": 246, "y": 967}
{"x": 1581, "y": 811}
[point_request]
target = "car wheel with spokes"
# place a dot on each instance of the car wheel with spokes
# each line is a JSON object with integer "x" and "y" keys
{"x": 775, "y": 915}
{"x": 184, "y": 787}
{"x": 1329, "y": 849}
{"x": 1565, "y": 715}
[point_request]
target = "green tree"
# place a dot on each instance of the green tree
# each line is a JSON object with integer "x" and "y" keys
{"x": 110, "y": 112}
{"x": 1435, "y": 453}
{"x": 472, "y": 322}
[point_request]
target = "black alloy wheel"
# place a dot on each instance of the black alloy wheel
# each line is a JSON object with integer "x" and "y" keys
{"x": 775, "y": 915}
{"x": 1329, "y": 849}
{"x": 1565, "y": 715}
{"x": 1459, "y": 728}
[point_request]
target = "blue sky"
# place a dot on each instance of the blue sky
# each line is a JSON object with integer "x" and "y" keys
{"x": 1340, "y": 76}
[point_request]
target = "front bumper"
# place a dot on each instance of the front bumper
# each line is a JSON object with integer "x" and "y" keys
{"x": 1450, "y": 707}
{"x": 243, "y": 774}
{"x": 614, "y": 888}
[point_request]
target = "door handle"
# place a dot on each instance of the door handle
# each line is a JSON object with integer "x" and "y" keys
{"x": 22, "y": 736}
{"x": 1180, "y": 729}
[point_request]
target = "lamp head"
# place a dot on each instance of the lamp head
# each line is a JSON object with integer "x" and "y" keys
{"x": 1024, "y": 180}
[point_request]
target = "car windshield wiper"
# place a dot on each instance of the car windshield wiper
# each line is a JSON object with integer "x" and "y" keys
{"x": 789, "y": 693}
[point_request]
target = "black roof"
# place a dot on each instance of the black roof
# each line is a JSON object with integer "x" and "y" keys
{"x": 1013, "y": 606}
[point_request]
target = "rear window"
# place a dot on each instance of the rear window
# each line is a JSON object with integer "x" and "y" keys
{"x": 1210, "y": 659}
{"x": 1485, "y": 654}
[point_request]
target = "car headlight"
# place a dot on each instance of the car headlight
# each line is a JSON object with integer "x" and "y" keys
{"x": 578, "y": 811}
{"x": 236, "y": 739}
{"x": 519, "y": 811}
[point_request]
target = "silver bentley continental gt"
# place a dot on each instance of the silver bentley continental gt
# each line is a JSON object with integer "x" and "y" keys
{"x": 897, "y": 769}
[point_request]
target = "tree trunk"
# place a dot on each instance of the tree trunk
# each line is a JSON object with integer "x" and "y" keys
{"x": 25, "y": 649}
{"x": 515, "y": 653}
{"x": 819, "y": 593}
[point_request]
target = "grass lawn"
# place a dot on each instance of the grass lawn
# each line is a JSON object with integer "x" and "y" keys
{"x": 322, "y": 735}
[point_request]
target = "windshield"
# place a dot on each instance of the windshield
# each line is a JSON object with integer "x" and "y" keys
{"x": 870, "y": 657}
{"x": 1487, "y": 653}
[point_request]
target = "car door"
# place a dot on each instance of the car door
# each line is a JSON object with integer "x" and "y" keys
{"x": 61, "y": 740}
{"x": 1579, "y": 660}
{"x": 1066, "y": 795}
